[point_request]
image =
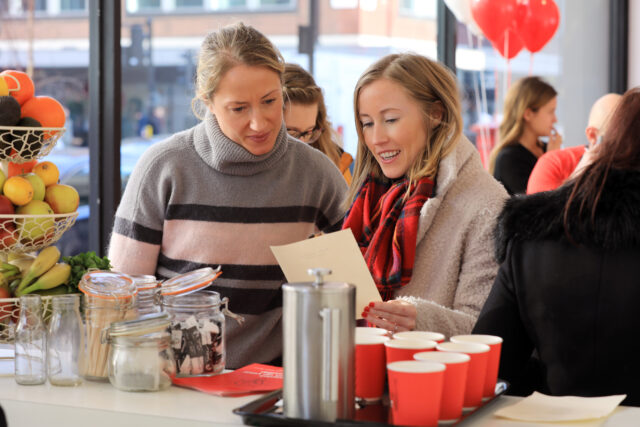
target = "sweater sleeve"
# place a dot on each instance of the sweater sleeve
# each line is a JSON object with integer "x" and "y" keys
{"x": 137, "y": 232}
{"x": 478, "y": 270}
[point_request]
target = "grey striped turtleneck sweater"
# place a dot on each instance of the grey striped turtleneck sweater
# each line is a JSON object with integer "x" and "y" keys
{"x": 199, "y": 199}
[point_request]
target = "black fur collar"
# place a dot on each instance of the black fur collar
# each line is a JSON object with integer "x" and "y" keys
{"x": 539, "y": 217}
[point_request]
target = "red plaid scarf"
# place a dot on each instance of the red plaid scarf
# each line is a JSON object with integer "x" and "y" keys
{"x": 386, "y": 227}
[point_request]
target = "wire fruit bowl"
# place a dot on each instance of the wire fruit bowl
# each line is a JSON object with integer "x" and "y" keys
{"x": 27, "y": 233}
{"x": 21, "y": 144}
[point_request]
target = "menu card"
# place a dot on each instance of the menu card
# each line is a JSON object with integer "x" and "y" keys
{"x": 254, "y": 378}
{"x": 336, "y": 251}
{"x": 542, "y": 408}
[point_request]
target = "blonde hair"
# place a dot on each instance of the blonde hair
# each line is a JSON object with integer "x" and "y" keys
{"x": 434, "y": 87}
{"x": 528, "y": 93}
{"x": 299, "y": 87}
{"x": 224, "y": 49}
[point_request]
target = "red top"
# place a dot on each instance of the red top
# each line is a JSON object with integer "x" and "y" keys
{"x": 553, "y": 168}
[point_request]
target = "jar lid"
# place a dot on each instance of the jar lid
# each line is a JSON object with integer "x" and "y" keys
{"x": 143, "y": 325}
{"x": 145, "y": 281}
{"x": 192, "y": 281}
{"x": 107, "y": 285}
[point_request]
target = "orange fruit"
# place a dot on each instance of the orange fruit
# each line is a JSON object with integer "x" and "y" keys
{"x": 14, "y": 169}
{"x": 48, "y": 172}
{"x": 18, "y": 189}
{"x": 20, "y": 85}
{"x": 46, "y": 110}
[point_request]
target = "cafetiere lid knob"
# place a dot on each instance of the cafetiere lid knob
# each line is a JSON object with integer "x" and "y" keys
{"x": 319, "y": 274}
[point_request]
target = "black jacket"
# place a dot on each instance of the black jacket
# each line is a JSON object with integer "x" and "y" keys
{"x": 577, "y": 304}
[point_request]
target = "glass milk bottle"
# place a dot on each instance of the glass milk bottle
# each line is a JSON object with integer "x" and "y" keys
{"x": 31, "y": 342}
{"x": 65, "y": 341}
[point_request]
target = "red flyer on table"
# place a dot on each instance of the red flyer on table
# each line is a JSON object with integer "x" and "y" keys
{"x": 254, "y": 378}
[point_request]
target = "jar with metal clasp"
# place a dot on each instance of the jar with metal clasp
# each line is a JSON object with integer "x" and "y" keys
{"x": 197, "y": 322}
{"x": 147, "y": 286}
{"x": 108, "y": 297}
{"x": 140, "y": 354}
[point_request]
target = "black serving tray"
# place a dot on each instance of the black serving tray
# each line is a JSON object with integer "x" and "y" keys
{"x": 267, "y": 411}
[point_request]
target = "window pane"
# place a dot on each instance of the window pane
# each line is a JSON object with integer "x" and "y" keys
{"x": 158, "y": 74}
{"x": 72, "y": 4}
{"x": 58, "y": 62}
{"x": 275, "y": 2}
{"x": 188, "y": 3}
{"x": 149, "y": 4}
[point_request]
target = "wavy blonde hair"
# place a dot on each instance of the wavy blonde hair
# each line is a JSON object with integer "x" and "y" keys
{"x": 299, "y": 87}
{"x": 221, "y": 50}
{"x": 434, "y": 87}
{"x": 530, "y": 92}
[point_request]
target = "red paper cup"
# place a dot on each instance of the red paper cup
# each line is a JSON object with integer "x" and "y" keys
{"x": 493, "y": 365}
{"x": 371, "y": 330}
{"x": 421, "y": 335}
{"x": 415, "y": 390}
{"x": 405, "y": 349}
{"x": 370, "y": 366}
{"x": 479, "y": 354}
{"x": 455, "y": 380}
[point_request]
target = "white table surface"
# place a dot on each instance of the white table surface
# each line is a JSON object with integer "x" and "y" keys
{"x": 101, "y": 405}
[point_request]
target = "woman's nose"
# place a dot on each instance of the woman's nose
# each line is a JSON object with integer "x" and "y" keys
{"x": 257, "y": 121}
{"x": 379, "y": 134}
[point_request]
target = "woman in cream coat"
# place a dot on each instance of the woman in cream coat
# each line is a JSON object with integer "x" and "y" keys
{"x": 422, "y": 209}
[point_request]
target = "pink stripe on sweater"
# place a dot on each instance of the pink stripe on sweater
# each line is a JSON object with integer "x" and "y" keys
{"x": 229, "y": 243}
{"x": 132, "y": 256}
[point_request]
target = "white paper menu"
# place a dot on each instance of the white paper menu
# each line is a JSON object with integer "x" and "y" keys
{"x": 336, "y": 251}
{"x": 539, "y": 407}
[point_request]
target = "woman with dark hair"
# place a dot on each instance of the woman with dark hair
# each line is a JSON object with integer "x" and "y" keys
{"x": 568, "y": 283}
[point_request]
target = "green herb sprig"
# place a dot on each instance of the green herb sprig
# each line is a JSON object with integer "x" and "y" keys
{"x": 82, "y": 263}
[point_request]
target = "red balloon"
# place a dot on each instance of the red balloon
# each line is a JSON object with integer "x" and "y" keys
{"x": 537, "y": 22}
{"x": 494, "y": 17}
{"x": 515, "y": 44}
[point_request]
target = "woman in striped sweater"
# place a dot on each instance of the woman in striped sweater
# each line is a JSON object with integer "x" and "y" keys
{"x": 224, "y": 191}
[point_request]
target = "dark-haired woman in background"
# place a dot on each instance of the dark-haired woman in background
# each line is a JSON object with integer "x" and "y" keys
{"x": 568, "y": 285}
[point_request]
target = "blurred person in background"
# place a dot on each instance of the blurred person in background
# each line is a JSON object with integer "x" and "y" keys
{"x": 224, "y": 191}
{"x": 423, "y": 208}
{"x": 529, "y": 114}
{"x": 305, "y": 115}
{"x": 555, "y": 167}
{"x": 568, "y": 281}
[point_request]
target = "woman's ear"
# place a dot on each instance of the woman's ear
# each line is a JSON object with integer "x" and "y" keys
{"x": 436, "y": 115}
{"x": 528, "y": 114}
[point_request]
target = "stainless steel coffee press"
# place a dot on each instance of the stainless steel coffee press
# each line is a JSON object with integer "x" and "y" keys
{"x": 318, "y": 350}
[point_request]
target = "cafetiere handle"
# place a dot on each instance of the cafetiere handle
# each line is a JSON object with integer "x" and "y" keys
{"x": 330, "y": 333}
{"x": 319, "y": 274}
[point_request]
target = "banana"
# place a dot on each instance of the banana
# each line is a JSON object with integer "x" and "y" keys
{"x": 43, "y": 262}
{"x": 56, "y": 276}
{"x": 23, "y": 264}
{"x": 16, "y": 255}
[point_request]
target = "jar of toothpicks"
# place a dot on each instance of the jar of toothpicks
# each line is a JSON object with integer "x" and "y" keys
{"x": 108, "y": 297}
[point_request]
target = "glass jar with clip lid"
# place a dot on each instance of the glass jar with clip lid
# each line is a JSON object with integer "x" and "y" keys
{"x": 147, "y": 288}
{"x": 140, "y": 354}
{"x": 108, "y": 297}
{"x": 197, "y": 322}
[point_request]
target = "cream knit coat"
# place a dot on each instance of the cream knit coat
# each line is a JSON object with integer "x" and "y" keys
{"x": 455, "y": 266}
